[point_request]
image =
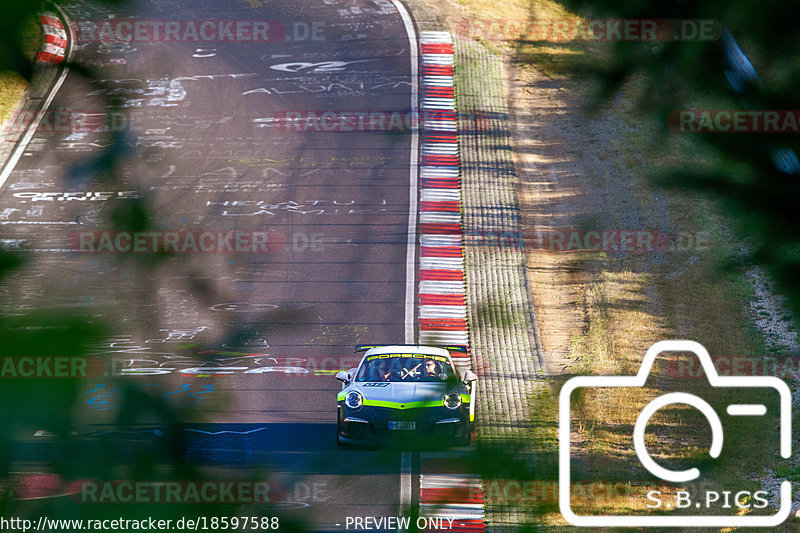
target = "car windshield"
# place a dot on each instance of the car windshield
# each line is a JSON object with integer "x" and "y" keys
{"x": 406, "y": 368}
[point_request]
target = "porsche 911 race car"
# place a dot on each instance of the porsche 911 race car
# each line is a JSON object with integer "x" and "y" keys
{"x": 402, "y": 393}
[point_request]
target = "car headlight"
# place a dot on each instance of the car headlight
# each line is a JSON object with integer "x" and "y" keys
{"x": 452, "y": 400}
{"x": 353, "y": 399}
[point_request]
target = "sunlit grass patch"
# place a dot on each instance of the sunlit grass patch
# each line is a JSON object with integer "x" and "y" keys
{"x": 12, "y": 87}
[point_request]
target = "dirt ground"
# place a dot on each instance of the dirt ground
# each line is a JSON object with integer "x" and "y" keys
{"x": 599, "y": 310}
{"x": 544, "y": 130}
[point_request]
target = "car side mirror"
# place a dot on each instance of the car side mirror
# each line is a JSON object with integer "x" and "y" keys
{"x": 343, "y": 376}
{"x": 469, "y": 376}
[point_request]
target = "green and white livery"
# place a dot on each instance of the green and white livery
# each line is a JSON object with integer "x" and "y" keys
{"x": 403, "y": 393}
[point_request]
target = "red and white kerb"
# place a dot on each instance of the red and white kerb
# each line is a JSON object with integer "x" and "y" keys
{"x": 442, "y": 306}
{"x": 54, "y": 47}
{"x": 445, "y": 491}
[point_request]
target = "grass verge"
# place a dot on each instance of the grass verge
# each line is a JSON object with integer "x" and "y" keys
{"x": 697, "y": 291}
{"x": 12, "y": 85}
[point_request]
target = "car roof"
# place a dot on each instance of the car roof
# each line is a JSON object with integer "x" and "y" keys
{"x": 405, "y": 348}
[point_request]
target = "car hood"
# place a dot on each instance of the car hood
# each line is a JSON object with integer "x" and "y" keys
{"x": 404, "y": 392}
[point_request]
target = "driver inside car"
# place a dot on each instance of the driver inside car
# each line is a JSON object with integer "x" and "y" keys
{"x": 384, "y": 374}
{"x": 431, "y": 370}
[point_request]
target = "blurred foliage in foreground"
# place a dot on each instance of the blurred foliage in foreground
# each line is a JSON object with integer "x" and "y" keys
{"x": 756, "y": 176}
{"x": 49, "y": 456}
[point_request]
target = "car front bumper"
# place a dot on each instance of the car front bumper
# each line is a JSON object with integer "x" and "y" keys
{"x": 370, "y": 425}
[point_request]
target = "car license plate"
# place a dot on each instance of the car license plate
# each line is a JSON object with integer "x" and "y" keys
{"x": 407, "y": 426}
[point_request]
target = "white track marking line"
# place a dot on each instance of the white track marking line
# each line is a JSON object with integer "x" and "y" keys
{"x": 411, "y": 243}
{"x": 20, "y": 149}
{"x": 413, "y": 178}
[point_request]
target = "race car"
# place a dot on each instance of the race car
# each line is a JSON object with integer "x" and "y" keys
{"x": 405, "y": 393}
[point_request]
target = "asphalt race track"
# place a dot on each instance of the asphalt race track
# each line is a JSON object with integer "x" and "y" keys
{"x": 242, "y": 343}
